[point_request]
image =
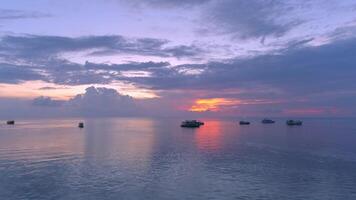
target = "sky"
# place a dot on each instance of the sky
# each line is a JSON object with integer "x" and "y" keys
{"x": 211, "y": 58}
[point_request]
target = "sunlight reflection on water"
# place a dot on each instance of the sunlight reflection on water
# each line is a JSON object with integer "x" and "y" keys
{"x": 133, "y": 158}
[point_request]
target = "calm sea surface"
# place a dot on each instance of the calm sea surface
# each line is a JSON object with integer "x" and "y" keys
{"x": 128, "y": 158}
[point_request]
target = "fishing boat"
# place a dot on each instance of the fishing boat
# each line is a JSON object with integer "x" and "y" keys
{"x": 81, "y": 125}
{"x": 200, "y": 122}
{"x": 294, "y": 122}
{"x": 267, "y": 121}
{"x": 191, "y": 124}
{"x": 244, "y": 123}
{"x": 10, "y": 122}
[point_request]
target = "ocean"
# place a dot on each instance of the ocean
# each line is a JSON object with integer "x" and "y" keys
{"x": 142, "y": 158}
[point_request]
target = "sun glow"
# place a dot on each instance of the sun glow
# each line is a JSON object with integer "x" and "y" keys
{"x": 219, "y": 104}
{"x": 213, "y": 104}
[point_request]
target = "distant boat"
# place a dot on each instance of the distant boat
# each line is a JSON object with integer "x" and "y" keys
{"x": 10, "y": 122}
{"x": 201, "y": 123}
{"x": 81, "y": 125}
{"x": 244, "y": 123}
{"x": 268, "y": 121}
{"x": 294, "y": 122}
{"x": 191, "y": 124}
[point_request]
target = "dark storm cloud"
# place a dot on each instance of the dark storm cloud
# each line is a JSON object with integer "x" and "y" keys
{"x": 8, "y": 14}
{"x": 34, "y": 46}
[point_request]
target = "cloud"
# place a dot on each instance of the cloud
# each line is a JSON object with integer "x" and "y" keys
{"x": 318, "y": 76}
{"x": 243, "y": 19}
{"x": 32, "y": 47}
{"x": 297, "y": 70}
{"x": 102, "y": 102}
{"x": 166, "y": 3}
{"x": 258, "y": 20}
{"x": 8, "y": 14}
{"x": 94, "y": 102}
{"x": 46, "y": 101}
{"x": 303, "y": 77}
{"x": 315, "y": 71}
{"x": 10, "y": 73}
{"x": 303, "y": 69}
{"x": 67, "y": 73}
{"x": 127, "y": 66}
{"x": 248, "y": 19}
{"x": 64, "y": 72}
{"x": 52, "y": 88}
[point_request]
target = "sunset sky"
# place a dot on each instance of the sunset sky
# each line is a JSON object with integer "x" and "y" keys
{"x": 177, "y": 58}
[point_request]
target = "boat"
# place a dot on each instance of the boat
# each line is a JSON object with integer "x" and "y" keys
{"x": 10, "y": 122}
{"x": 81, "y": 125}
{"x": 200, "y": 122}
{"x": 294, "y": 122}
{"x": 191, "y": 124}
{"x": 267, "y": 121}
{"x": 244, "y": 123}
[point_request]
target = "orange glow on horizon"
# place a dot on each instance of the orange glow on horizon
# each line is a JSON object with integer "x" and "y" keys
{"x": 218, "y": 104}
{"x": 213, "y": 104}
